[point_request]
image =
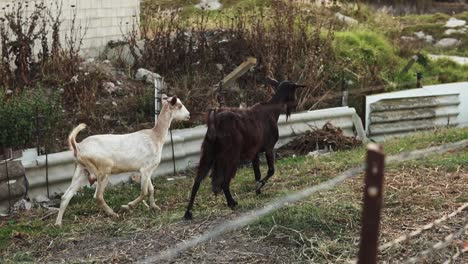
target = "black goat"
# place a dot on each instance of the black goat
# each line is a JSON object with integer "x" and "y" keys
{"x": 235, "y": 135}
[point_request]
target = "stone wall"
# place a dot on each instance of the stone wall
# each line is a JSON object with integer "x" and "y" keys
{"x": 104, "y": 20}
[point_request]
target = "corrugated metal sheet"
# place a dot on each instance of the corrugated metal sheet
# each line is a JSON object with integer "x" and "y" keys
{"x": 399, "y": 116}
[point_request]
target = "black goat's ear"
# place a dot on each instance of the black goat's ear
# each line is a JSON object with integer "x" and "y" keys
{"x": 173, "y": 100}
{"x": 272, "y": 82}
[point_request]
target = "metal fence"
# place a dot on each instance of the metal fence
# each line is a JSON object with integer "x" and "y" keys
{"x": 373, "y": 193}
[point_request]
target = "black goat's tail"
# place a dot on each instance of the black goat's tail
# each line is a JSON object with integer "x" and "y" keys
{"x": 211, "y": 124}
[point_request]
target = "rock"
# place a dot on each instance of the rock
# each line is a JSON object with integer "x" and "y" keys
{"x": 8, "y": 92}
{"x": 22, "y": 205}
{"x": 209, "y": 5}
{"x": 346, "y": 19}
{"x": 447, "y": 43}
{"x": 453, "y": 23}
{"x": 429, "y": 39}
{"x": 317, "y": 153}
{"x": 106, "y": 117}
{"x": 109, "y": 87}
{"x": 420, "y": 34}
{"x": 114, "y": 104}
{"x": 120, "y": 51}
{"x": 406, "y": 38}
{"x": 74, "y": 79}
{"x": 41, "y": 199}
{"x": 451, "y": 31}
{"x": 89, "y": 61}
{"x": 147, "y": 76}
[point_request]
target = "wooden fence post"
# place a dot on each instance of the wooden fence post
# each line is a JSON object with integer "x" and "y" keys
{"x": 373, "y": 192}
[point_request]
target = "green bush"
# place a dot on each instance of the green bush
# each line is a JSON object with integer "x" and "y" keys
{"x": 368, "y": 54}
{"x": 18, "y": 117}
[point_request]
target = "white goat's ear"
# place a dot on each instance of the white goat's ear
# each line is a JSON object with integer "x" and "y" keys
{"x": 164, "y": 96}
{"x": 173, "y": 100}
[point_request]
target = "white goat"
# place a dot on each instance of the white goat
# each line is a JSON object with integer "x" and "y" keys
{"x": 99, "y": 156}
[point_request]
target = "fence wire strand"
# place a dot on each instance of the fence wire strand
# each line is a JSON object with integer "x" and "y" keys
{"x": 456, "y": 256}
{"x": 439, "y": 245}
{"x": 418, "y": 231}
{"x": 255, "y": 214}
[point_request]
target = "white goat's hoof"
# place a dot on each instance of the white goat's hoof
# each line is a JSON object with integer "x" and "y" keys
{"x": 125, "y": 208}
{"x": 58, "y": 224}
{"x": 155, "y": 207}
{"x": 114, "y": 215}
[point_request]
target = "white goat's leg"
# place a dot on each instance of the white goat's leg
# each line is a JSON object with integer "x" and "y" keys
{"x": 100, "y": 195}
{"x": 105, "y": 181}
{"x": 144, "y": 191}
{"x": 79, "y": 179}
{"x": 151, "y": 195}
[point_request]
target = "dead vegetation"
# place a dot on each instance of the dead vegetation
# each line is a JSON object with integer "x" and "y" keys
{"x": 194, "y": 53}
{"x": 328, "y": 137}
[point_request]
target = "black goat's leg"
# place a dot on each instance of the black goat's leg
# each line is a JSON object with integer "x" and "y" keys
{"x": 206, "y": 162}
{"x": 196, "y": 185}
{"x": 230, "y": 172}
{"x": 258, "y": 175}
{"x": 270, "y": 157}
{"x": 227, "y": 192}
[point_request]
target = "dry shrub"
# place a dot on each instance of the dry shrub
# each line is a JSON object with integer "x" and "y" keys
{"x": 31, "y": 56}
{"x": 287, "y": 41}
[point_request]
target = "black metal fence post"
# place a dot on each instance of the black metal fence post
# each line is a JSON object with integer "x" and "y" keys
{"x": 419, "y": 77}
{"x": 373, "y": 192}
{"x": 7, "y": 157}
{"x": 40, "y": 133}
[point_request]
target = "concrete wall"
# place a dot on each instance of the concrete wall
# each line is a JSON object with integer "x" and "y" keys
{"x": 104, "y": 20}
{"x": 441, "y": 104}
{"x": 187, "y": 143}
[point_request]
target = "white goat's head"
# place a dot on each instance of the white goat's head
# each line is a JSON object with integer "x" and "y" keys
{"x": 179, "y": 112}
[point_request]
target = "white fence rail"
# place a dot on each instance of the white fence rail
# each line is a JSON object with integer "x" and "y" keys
{"x": 187, "y": 143}
{"x": 399, "y": 113}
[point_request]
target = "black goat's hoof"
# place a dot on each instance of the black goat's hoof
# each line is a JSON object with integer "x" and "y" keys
{"x": 232, "y": 205}
{"x": 188, "y": 215}
{"x": 258, "y": 187}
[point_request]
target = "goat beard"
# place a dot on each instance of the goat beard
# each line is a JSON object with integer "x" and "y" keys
{"x": 289, "y": 109}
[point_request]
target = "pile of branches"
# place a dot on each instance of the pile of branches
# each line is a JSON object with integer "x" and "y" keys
{"x": 329, "y": 137}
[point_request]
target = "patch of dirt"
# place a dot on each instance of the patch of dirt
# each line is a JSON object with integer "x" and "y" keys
{"x": 233, "y": 247}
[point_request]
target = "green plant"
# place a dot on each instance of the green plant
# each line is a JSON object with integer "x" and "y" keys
{"x": 18, "y": 117}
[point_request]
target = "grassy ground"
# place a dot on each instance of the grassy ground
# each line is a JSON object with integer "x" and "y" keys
{"x": 322, "y": 229}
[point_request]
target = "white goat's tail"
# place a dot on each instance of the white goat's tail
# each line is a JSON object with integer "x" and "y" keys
{"x": 72, "y": 138}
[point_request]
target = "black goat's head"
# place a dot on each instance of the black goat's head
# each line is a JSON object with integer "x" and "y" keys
{"x": 285, "y": 93}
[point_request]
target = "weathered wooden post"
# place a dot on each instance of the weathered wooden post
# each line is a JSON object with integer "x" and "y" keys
{"x": 231, "y": 77}
{"x": 373, "y": 192}
{"x": 344, "y": 90}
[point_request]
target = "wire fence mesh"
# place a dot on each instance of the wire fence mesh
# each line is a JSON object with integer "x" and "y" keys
{"x": 251, "y": 216}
